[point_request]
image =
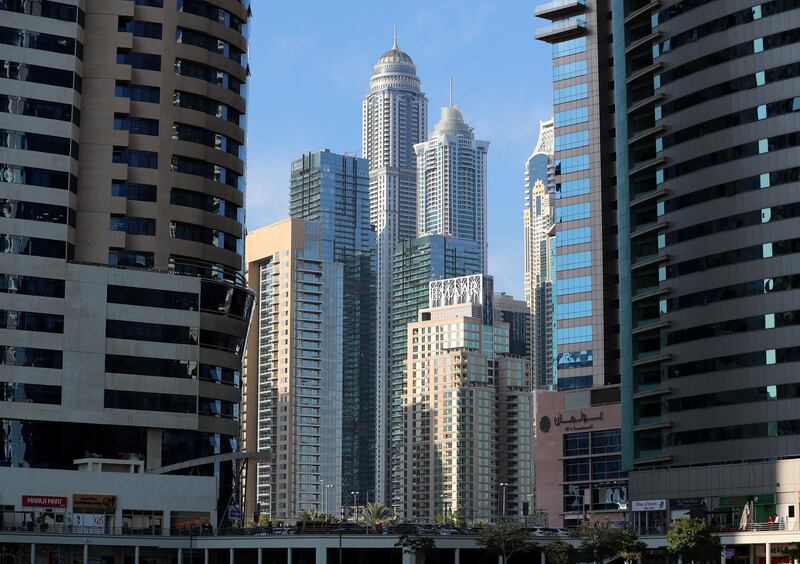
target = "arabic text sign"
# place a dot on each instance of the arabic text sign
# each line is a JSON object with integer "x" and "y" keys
{"x": 649, "y": 505}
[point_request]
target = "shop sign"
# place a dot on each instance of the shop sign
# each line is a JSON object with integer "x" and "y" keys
{"x": 90, "y": 524}
{"x": 94, "y": 501}
{"x": 687, "y": 502}
{"x": 649, "y": 505}
{"x": 44, "y": 501}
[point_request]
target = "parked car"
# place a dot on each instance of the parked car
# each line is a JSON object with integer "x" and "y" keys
{"x": 447, "y": 531}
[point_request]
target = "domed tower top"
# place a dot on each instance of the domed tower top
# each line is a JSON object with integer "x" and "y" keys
{"x": 395, "y": 69}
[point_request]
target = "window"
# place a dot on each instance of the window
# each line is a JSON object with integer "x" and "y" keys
{"x": 567, "y": 286}
{"x": 576, "y": 359}
{"x": 136, "y": 331}
{"x": 572, "y": 140}
{"x": 138, "y": 93}
{"x": 572, "y": 117}
{"x": 142, "y": 366}
{"x": 607, "y": 468}
{"x": 194, "y": 134}
{"x": 205, "y": 202}
{"x": 205, "y": 235}
{"x": 574, "y": 382}
{"x": 576, "y": 444}
{"x": 34, "y": 211}
{"x": 25, "y": 141}
{"x": 139, "y": 159}
{"x": 142, "y": 522}
{"x": 576, "y": 470}
{"x": 133, "y": 225}
{"x": 148, "y": 297}
{"x": 34, "y": 246}
{"x": 30, "y": 393}
{"x": 220, "y": 374}
{"x": 16, "y": 174}
{"x": 206, "y": 105}
{"x": 222, "y": 341}
{"x": 11, "y": 355}
{"x": 45, "y": 9}
{"x": 572, "y": 188}
{"x": 31, "y": 286}
{"x": 31, "y": 321}
{"x": 573, "y": 260}
{"x": 570, "y": 47}
{"x": 573, "y": 310}
{"x": 143, "y": 61}
{"x": 571, "y": 93}
{"x": 573, "y": 236}
{"x": 125, "y": 257}
{"x": 211, "y": 12}
{"x": 207, "y": 73}
{"x": 766, "y": 429}
{"x": 572, "y": 164}
{"x": 146, "y": 401}
{"x": 210, "y": 43}
{"x": 41, "y": 41}
{"x": 567, "y": 335}
{"x": 218, "y": 408}
{"x": 40, "y": 75}
{"x": 210, "y": 171}
{"x": 139, "y": 28}
{"x": 151, "y": 3}
{"x": 606, "y": 441}
{"x": 734, "y": 291}
{"x": 574, "y": 212}
{"x": 134, "y": 191}
{"x": 136, "y": 125}
{"x": 38, "y": 108}
{"x": 569, "y": 70}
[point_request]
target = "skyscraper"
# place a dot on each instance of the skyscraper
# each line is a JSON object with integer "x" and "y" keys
{"x": 334, "y": 190}
{"x": 539, "y": 236}
{"x": 459, "y": 372}
{"x": 451, "y": 182}
{"x": 293, "y": 372}
{"x": 124, "y": 307}
{"x": 707, "y": 153}
{"x": 416, "y": 263}
{"x": 394, "y": 119}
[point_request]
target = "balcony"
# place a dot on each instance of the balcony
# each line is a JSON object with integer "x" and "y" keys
{"x": 557, "y": 9}
{"x": 561, "y": 30}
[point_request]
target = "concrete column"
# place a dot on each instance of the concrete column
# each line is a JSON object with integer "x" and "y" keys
{"x": 205, "y": 555}
{"x": 33, "y": 553}
{"x": 457, "y": 556}
{"x": 231, "y": 557}
{"x": 409, "y": 558}
{"x": 680, "y": 560}
{"x": 542, "y": 557}
{"x": 136, "y": 554}
{"x": 321, "y": 555}
{"x": 180, "y": 556}
{"x": 86, "y": 554}
{"x": 769, "y": 553}
{"x": 260, "y": 556}
{"x": 289, "y": 556}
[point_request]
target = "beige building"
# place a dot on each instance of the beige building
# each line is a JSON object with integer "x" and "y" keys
{"x": 462, "y": 393}
{"x": 293, "y": 373}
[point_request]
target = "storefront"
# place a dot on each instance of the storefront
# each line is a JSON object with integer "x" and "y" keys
{"x": 40, "y": 513}
{"x": 93, "y": 513}
{"x": 649, "y": 516}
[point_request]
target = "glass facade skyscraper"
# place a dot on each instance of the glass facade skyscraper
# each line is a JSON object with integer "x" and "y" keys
{"x": 333, "y": 190}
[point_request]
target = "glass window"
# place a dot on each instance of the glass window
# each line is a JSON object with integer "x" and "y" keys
{"x": 27, "y": 141}
{"x": 204, "y": 235}
{"x": 576, "y": 444}
{"x": 574, "y": 382}
{"x": 149, "y": 297}
{"x": 138, "y": 93}
{"x": 34, "y": 246}
{"x": 606, "y": 441}
{"x": 30, "y": 393}
{"x": 137, "y": 125}
{"x": 139, "y": 159}
{"x": 142, "y": 522}
{"x": 146, "y": 401}
{"x": 143, "y": 366}
{"x": 573, "y": 260}
{"x": 143, "y": 61}
{"x": 209, "y": 42}
{"x": 574, "y": 310}
{"x": 16, "y": 174}
{"x": 31, "y": 321}
{"x": 31, "y": 286}
{"x": 205, "y": 202}
{"x": 207, "y": 73}
{"x": 569, "y": 70}
{"x": 206, "y": 105}
{"x": 133, "y": 330}
{"x": 222, "y": 341}
{"x": 133, "y": 225}
{"x": 572, "y": 164}
{"x": 34, "y": 211}
{"x": 572, "y": 117}
{"x": 134, "y": 191}
{"x": 205, "y": 169}
{"x": 575, "y": 236}
{"x": 11, "y": 355}
{"x": 567, "y": 335}
{"x": 126, "y": 257}
{"x": 571, "y": 93}
{"x": 569, "y": 47}
{"x": 43, "y": 8}
{"x": 211, "y": 12}
{"x": 38, "y": 74}
{"x": 202, "y": 136}
{"x": 41, "y": 41}
{"x": 576, "y": 470}
{"x": 567, "y": 286}
{"x": 38, "y": 108}
{"x": 572, "y": 188}
{"x": 139, "y": 28}
{"x": 575, "y": 359}
{"x": 572, "y": 140}
{"x": 607, "y": 468}
{"x": 573, "y": 212}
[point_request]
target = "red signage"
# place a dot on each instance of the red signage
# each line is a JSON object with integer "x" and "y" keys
{"x": 44, "y": 501}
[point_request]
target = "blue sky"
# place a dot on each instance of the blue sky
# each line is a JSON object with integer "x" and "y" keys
{"x": 311, "y": 64}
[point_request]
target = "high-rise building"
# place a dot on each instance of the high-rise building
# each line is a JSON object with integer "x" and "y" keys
{"x": 707, "y": 153}
{"x": 122, "y": 301}
{"x": 451, "y": 182}
{"x": 416, "y": 263}
{"x": 539, "y": 237}
{"x": 518, "y": 316}
{"x": 584, "y": 269}
{"x": 334, "y": 190}
{"x": 293, "y": 372}
{"x": 459, "y": 371}
{"x": 394, "y": 119}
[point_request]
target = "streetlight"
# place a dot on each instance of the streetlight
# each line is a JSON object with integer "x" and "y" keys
{"x": 504, "y": 485}
{"x": 355, "y": 506}
{"x": 327, "y": 504}
{"x": 322, "y": 493}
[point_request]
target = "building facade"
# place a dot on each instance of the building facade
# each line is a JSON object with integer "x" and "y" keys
{"x": 123, "y": 308}
{"x": 416, "y": 263}
{"x": 468, "y": 407}
{"x": 334, "y": 190}
{"x": 518, "y": 316}
{"x": 394, "y": 119}
{"x": 293, "y": 373}
{"x": 706, "y": 153}
{"x": 539, "y": 238}
{"x": 451, "y": 182}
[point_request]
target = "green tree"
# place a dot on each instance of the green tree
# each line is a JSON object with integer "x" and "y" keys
{"x": 317, "y": 517}
{"x": 377, "y": 514}
{"x": 692, "y": 540}
{"x": 453, "y": 519}
{"x": 561, "y": 552}
{"x": 600, "y": 540}
{"x": 419, "y": 546}
{"x": 631, "y": 548}
{"x": 505, "y": 539}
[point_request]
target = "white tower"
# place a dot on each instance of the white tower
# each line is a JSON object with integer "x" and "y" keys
{"x": 394, "y": 119}
{"x": 451, "y": 181}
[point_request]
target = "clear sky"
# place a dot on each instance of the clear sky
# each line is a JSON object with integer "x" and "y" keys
{"x": 310, "y": 66}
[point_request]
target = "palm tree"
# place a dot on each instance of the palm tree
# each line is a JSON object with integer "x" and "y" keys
{"x": 317, "y": 517}
{"x": 377, "y": 514}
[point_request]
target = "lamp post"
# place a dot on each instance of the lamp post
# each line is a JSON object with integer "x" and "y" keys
{"x": 504, "y": 485}
{"x": 322, "y": 493}
{"x": 327, "y": 501}
{"x": 355, "y": 506}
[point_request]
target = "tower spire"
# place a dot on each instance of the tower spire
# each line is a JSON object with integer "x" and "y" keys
{"x": 394, "y": 45}
{"x": 451, "y": 90}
